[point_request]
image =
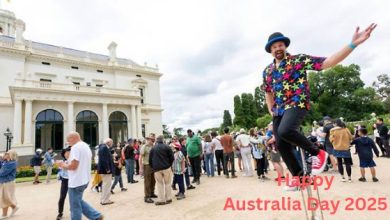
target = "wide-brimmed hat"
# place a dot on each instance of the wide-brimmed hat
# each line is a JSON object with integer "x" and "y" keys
{"x": 275, "y": 37}
{"x": 151, "y": 137}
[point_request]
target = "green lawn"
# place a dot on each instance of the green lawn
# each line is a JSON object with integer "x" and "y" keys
{"x": 30, "y": 179}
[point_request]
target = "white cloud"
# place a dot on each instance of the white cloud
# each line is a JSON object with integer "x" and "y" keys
{"x": 209, "y": 51}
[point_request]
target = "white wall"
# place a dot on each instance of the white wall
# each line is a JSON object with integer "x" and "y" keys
{"x": 10, "y": 66}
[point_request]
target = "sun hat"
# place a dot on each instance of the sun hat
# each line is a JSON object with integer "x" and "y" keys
{"x": 276, "y": 37}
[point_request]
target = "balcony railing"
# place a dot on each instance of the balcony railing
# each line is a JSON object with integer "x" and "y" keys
{"x": 75, "y": 88}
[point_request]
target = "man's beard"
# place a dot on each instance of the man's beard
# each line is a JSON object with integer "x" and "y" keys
{"x": 280, "y": 54}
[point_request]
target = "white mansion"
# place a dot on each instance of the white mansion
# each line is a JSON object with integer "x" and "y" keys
{"x": 47, "y": 91}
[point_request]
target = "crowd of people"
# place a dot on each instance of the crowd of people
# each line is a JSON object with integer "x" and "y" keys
{"x": 166, "y": 165}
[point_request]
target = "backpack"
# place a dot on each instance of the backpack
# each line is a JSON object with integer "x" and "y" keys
{"x": 256, "y": 151}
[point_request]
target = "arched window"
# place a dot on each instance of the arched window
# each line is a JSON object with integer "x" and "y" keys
{"x": 118, "y": 126}
{"x": 87, "y": 125}
{"x": 49, "y": 130}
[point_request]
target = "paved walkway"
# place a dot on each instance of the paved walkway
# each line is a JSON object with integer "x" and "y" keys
{"x": 207, "y": 201}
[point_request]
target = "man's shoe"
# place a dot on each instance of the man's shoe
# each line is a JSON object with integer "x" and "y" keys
{"x": 101, "y": 217}
{"x": 362, "y": 179}
{"x": 134, "y": 181}
{"x": 112, "y": 192}
{"x": 193, "y": 181}
{"x": 160, "y": 203}
{"x": 59, "y": 216}
{"x": 234, "y": 176}
{"x": 375, "y": 179}
{"x": 191, "y": 187}
{"x": 123, "y": 189}
{"x": 180, "y": 196}
{"x": 154, "y": 196}
{"x": 148, "y": 200}
{"x": 197, "y": 182}
{"x": 168, "y": 201}
{"x": 318, "y": 162}
{"x": 227, "y": 176}
{"x": 107, "y": 203}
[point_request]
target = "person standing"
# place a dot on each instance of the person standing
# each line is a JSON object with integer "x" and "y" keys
{"x": 136, "y": 147}
{"x": 328, "y": 126}
{"x": 161, "y": 159}
{"x": 79, "y": 172}
{"x": 384, "y": 135}
{"x": 36, "y": 163}
{"x": 48, "y": 161}
{"x": 377, "y": 139}
{"x": 63, "y": 174}
{"x": 146, "y": 169}
{"x": 7, "y": 183}
{"x": 208, "y": 151}
{"x": 228, "y": 153}
{"x": 128, "y": 151}
{"x": 182, "y": 142}
{"x": 105, "y": 169}
{"x": 341, "y": 138}
{"x": 244, "y": 143}
{"x": 117, "y": 173}
{"x": 288, "y": 97}
{"x": 194, "y": 153}
{"x": 178, "y": 168}
{"x": 216, "y": 143}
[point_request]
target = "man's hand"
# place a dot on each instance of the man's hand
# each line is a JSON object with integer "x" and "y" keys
{"x": 360, "y": 37}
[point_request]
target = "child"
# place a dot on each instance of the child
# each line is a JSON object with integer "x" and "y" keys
{"x": 63, "y": 175}
{"x": 179, "y": 169}
{"x": 364, "y": 147}
{"x": 117, "y": 170}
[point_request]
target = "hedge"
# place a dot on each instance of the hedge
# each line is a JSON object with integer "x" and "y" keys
{"x": 28, "y": 171}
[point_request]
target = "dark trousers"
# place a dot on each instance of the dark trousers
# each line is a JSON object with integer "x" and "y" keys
{"x": 117, "y": 179}
{"x": 226, "y": 158}
{"x": 186, "y": 177}
{"x": 385, "y": 142}
{"x": 260, "y": 166}
{"x": 178, "y": 178}
{"x": 348, "y": 163}
{"x": 196, "y": 167}
{"x": 64, "y": 191}
{"x": 219, "y": 158}
{"x": 149, "y": 181}
{"x": 379, "y": 143}
{"x": 137, "y": 167}
{"x": 287, "y": 134}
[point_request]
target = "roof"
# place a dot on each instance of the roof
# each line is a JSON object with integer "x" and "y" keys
{"x": 68, "y": 51}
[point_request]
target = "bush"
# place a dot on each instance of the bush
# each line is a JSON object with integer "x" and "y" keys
{"x": 264, "y": 121}
{"x": 27, "y": 171}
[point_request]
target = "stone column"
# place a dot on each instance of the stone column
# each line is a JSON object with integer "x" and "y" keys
{"x": 105, "y": 122}
{"x": 133, "y": 122}
{"x": 17, "y": 122}
{"x": 70, "y": 117}
{"x": 27, "y": 123}
{"x": 139, "y": 126}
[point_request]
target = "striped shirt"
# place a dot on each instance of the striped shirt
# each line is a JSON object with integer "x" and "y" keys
{"x": 176, "y": 166}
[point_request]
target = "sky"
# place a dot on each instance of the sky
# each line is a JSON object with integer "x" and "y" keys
{"x": 208, "y": 50}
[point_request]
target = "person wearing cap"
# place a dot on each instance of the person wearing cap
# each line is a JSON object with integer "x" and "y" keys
{"x": 288, "y": 98}
{"x": 194, "y": 153}
{"x": 161, "y": 159}
{"x": 128, "y": 152}
{"x": 146, "y": 169}
{"x": 63, "y": 176}
{"x": 36, "y": 163}
{"x": 328, "y": 126}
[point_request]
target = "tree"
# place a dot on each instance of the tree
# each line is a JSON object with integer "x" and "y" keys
{"x": 262, "y": 122}
{"x": 340, "y": 92}
{"x": 238, "y": 112}
{"x": 166, "y": 132}
{"x": 260, "y": 102}
{"x": 178, "y": 132}
{"x": 382, "y": 88}
{"x": 227, "y": 119}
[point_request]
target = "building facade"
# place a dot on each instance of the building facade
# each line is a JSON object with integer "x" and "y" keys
{"x": 47, "y": 91}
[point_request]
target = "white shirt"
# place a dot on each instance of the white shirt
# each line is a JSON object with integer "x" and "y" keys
{"x": 244, "y": 139}
{"x": 376, "y": 133}
{"x": 82, "y": 175}
{"x": 217, "y": 144}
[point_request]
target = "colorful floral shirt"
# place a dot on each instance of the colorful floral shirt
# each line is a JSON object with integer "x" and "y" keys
{"x": 288, "y": 82}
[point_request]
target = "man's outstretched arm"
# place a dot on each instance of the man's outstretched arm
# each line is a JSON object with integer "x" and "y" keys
{"x": 357, "y": 39}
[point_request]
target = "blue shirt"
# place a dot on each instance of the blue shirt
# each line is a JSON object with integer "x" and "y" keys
{"x": 63, "y": 173}
{"x": 48, "y": 159}
{"x": 8, "y": 171}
